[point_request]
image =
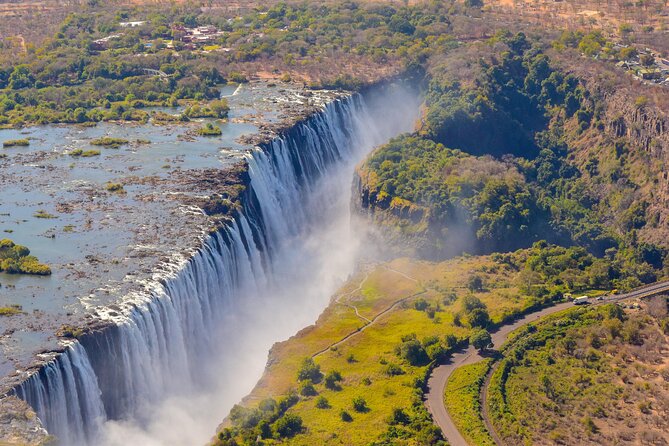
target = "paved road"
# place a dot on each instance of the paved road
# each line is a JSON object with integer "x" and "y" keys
{"x": 437, "y": 381}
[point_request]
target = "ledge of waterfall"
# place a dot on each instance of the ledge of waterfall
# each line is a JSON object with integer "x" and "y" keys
{"x": 107, "y": 250}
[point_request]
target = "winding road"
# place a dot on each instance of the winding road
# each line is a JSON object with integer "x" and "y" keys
{"x": 437, "y": 381}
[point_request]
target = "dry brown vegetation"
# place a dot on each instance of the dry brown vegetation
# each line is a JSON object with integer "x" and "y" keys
{"x": 604, "y": 380}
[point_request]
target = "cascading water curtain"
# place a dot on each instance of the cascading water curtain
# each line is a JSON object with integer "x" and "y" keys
{"x": 165, "y": 338}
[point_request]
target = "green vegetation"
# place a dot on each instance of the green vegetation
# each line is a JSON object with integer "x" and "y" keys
{"x": 531, "y": 117}
{"x": 75, "y": 78}
{"x": 16, "y": 142}
{"x": 41, "y": 213}
{"x": 210, "y": 130}
{"x": 83, "y": 153}
{"x": 16, "y": 259}
{"x": 10, "y": 310}
{"x": 108, "y": 141}
{"x": 571, "y": 379}
{"x": 369, "y": 389}
{"x": 114, "y": 188}
{"x": 215, "y": 109}
{"x": 463, "y": 403}
{"x": 481, "y": 339}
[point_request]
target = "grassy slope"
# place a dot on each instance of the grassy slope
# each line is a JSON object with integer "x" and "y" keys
{"x": 384, "y": 285}
{"x": 463, "y": 403}
{"x": 603, "y": 389}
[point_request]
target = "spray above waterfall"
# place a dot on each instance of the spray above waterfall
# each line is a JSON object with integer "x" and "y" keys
{"x": 178, "y": 361}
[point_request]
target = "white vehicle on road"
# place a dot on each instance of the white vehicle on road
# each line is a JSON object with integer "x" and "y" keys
{"x": 581, "y": 300}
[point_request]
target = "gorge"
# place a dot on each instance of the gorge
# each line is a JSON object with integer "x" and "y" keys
{"x": 189, "y": 345}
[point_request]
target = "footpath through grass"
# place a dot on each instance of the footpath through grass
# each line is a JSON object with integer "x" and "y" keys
{"x": 383, "y": 368}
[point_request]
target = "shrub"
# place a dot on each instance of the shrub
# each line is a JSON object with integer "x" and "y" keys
{"x": 332, "y": 380}
{"x": 345, "y": 416}
{"x": 209, "y": 130}
{"x": 307, "y": 388}
{"x": 399, "y": 417}
{"x": 114, "y": 187}
{"x": 85, "y": 154}
{"x": 41, "y": 213}
{"x": 322, "y": 403}
{"x": 10, "y": 311}
{"x": 360, "y": 405}
{"x": 309, "y": 370}
{"x": 108, "y": 141}
{"x": 16, "y": 142}
{"x": 393, "y": 370}
{"x": 288, "y": 426}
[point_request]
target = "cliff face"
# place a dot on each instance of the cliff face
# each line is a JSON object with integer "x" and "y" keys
{"x": 615, "y": 148}
{"x": 19, "y": 424}
{"x": 638, "y": 128}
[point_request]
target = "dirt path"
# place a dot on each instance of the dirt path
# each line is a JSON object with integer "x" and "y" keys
{"x": 368, "y": 322}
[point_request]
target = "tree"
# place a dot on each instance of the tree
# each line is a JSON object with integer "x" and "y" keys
{"x": 332, "y": 380}
{"x": 475, "y": 283}
{"x": 309, "y": 370}
{"x": 360, "y": 405}
{"x": 21, "y": 77}
{"x": 474, "y": 3}
{"x": 412, "y": 351}
{"x": 481, "y": 340}
{"x": 471, "y": 303}
{"x": 288, "y": 425}
{"x": 479, "y": 318}
{"x": 220, "y": 108}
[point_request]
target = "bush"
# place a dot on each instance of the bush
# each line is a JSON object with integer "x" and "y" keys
{"x": 307, "y": 388}
{"x": 209, "y": 130}
{"x": 309, "y": 370}
{"x": 288, "y": 426}
{"x": 332, "y": 380}
{"x": 399, "y": 417}
{"x": 114, "y": 187}
{"x": 393, "y": 370}
{"x": 322, "y": 403}
{"x": 16, "y": 142}
{"x": 360, "y": 405}
{"x": 108, "y": 141}
{"x": 345, "y": 416}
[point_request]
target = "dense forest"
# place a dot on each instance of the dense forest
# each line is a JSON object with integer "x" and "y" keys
{"x": 494, "y": 156}
{"x": 94, "y": 69}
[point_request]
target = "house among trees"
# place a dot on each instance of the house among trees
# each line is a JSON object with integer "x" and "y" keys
{"x": 131, "y": 24}
{"x": 199, "y": 35}
{"x": 103, "y": 44}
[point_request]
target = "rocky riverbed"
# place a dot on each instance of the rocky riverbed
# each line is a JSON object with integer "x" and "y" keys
{"x": 106, "y": 246}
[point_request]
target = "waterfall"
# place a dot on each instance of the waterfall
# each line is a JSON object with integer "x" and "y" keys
{"x": 171, "y": 340}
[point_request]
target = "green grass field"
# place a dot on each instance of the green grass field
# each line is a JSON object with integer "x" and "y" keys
{"x": 364, "y": 357}
{"x": 463, "y": 404}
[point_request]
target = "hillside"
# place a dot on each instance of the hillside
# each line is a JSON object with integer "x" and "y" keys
{"x": 591, "y": 376}
{"x": 378, "y": 339}
{"x": 556, "y": 156}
